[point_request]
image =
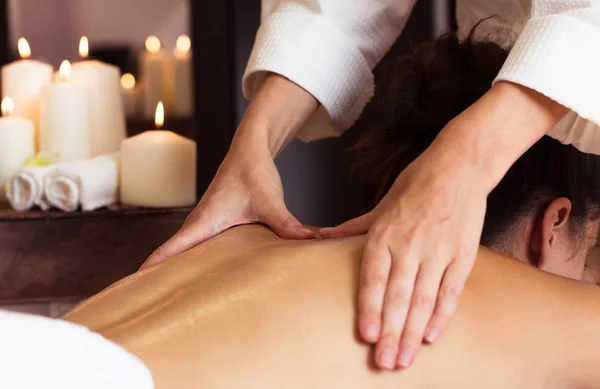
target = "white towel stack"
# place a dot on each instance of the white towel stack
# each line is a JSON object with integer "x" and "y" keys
{"x": 91, "y": 183}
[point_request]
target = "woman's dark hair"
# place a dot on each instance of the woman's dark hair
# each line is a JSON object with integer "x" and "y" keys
{"x": 431, "y": 86}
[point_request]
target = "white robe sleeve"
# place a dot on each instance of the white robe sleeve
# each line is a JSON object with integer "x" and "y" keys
{"x": 329, "y": 48}
{"x": 558, "y": 55}
{"x": 38, "y": 352}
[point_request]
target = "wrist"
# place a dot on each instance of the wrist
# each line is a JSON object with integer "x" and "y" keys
{"x": 488, "y": 137}
{"x": 275, "y": 114}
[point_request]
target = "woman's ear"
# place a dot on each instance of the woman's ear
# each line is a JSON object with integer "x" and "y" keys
{"x": 550, "y": 231}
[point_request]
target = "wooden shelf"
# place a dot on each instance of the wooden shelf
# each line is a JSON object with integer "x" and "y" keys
{"x": 55, "y": 255}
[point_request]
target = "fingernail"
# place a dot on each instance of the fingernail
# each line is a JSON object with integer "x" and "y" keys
{"x": 371, "y": 332}
{"x": 407, "y": 356}
{"x": 432, "y": 335}
{"x": 386, "y": 359}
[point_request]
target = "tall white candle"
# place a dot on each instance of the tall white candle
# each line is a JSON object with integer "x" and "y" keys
{"x": 23, "y": 81}
{"x": 156, "y": 77}
{"x": 183, "y": 81}
{"x": 107, "y": 114}
{"x": 65, "y": 127}
{"x": 158, "y": 168}
{"x": 16, "y": 144}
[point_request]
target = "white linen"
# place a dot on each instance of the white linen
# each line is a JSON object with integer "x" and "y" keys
{"x": 38, "y": 352}
{"x": 92, "y": 183}
{"x": 330, "y": 48}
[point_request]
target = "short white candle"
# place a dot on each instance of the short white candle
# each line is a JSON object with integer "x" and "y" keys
{"x": 17, "y": 143}
{"x": 156, "y": 77}
{"x": 129, "y": 91}
{"x": 65, "y": 127}
{"x": 107, "y": 113}
{"x": 158, "y": 168}
{"x": 183, "y": 81}
{"x": 23, "y": 81}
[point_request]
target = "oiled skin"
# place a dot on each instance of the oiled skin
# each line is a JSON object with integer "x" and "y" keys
{"x": 249, "y": 310}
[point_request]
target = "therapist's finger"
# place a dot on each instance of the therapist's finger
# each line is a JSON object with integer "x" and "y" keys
{"x": 448, "y": 297}
{"x": 395, "y": 310}
{"x": 374, "y": 275}
{"x": 422, "y": 306}
{"x": 356, "y": 226}
{"x": 276, "y": 215}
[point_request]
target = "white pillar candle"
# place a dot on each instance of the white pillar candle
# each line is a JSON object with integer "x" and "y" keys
{"x": 23, "y": 81}
{"x": 107, "y": 113}
{"x": 17, "y": 143}
{"x": 129, "y": 91}
{"x": 183, "y": 81}
{"x": 156, "y": 77}
{"x": 65, "y": 127}
{"x": 158, "y": 169}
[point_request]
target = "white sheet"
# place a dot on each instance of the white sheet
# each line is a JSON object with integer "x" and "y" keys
{"x": 38, "y": 352}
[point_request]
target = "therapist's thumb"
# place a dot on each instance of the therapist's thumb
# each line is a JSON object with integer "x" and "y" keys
{"x": 186, "y": 238}
{"x": 277, "y": 216}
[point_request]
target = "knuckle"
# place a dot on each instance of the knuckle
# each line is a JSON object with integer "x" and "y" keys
{"x": 424, "y": 301}
{"x": 374, "y": 279}
{"x": 286, "y": 221}
{"x": 398, "y": 298}
{"x": 411, "y": 337}
{"x": 369, "y": 314}
{"x": 450, "y": 294}
{"x": 378, "y": 235}
{"x": 389, "y": 337}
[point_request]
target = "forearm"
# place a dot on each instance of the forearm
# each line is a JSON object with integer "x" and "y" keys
{"x": 487, "y": 138}
{"x": 275, "y": 115}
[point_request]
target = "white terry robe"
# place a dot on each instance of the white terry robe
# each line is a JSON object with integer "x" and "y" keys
{"x": 329, "y": 48}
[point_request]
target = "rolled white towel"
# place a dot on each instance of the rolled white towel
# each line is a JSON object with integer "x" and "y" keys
{"x": 26, "y": 189}
{"x": 92, "y": 183}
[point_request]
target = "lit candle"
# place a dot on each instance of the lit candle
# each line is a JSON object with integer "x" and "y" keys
{"x": 17, "y": 143}
{"x": 107, "y": 114}
{"x": 156, "y": 77}
{"x": 158, "y": 168}
{"x": 129, "y": 94}
{"x": 182, "y": 94}
{"x": 23, "y": 81}
{"x": 65, "y": 127}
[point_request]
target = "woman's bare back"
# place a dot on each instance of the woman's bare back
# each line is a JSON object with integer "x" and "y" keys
{"x": 249, "y": 310}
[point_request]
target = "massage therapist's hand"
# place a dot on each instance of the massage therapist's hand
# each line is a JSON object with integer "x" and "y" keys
{"x": 247, "y": 187}
{"x": 422, "y": 241}
{"x": 424, "y": 234}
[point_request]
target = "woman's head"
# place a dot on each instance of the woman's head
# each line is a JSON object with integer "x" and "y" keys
{"x": 541, "y": 211}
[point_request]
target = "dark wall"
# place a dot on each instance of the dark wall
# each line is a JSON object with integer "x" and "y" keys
{"x": 317, "y": 187}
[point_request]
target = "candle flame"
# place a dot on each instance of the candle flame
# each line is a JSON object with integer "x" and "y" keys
{"x": 24, "y": 49}
{"x": 159, "y": 117}
{"x": 127, "y": 81}
{"x": 183, "y": 45}
{"x": 153, "y": 44}
{"x": 84, "y": 47}
{"x": 7, "y": 106}
{"x": 65, "y": 70}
